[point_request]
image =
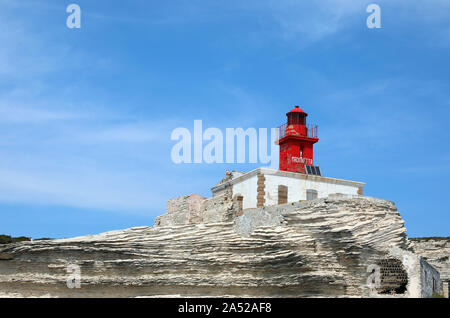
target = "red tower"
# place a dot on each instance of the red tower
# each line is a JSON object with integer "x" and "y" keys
{"x": 296, "y": 140}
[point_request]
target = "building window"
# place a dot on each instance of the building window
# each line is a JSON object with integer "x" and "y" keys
{"x": 311, "y": 194}
{"x": 282, "y": 194}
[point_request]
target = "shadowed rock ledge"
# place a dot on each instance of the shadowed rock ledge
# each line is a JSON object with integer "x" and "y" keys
{"x": 318, "y": 248}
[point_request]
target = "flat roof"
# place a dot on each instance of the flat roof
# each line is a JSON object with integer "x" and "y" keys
{"x": 289, "y": 174}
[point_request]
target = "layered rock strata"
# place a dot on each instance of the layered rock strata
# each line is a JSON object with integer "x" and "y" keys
{"x": 210, "y": 247}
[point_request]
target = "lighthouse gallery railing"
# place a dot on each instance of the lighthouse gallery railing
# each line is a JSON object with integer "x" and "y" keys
{"x": 311, "y": 131}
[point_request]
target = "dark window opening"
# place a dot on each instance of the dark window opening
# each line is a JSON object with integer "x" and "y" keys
{"x": 394, "y": 278}
{"x": 296, "y": 119}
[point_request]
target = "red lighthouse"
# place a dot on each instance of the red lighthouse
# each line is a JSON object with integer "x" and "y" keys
{"x": 296, "y": 140}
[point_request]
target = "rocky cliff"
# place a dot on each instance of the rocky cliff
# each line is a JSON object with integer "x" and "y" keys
{"x": 318, "y": 248}
{"x": 436, "y": 250}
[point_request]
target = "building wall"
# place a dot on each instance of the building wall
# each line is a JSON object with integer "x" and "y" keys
{"x": 296, "y": 189}
{"x": 248, "y": 189}
{"x": 265, "y": 192}
{"x": 430, "y": 279}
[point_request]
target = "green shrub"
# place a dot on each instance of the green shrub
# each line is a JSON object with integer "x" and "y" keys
{"x": 6, "y": 239}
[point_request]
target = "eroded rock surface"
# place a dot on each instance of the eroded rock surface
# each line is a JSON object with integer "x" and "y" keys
{"x": 316, "y": 248}
{"x": 436, "y": 250}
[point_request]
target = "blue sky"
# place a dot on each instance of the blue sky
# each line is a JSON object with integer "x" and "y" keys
{"x": 86, "y": 114}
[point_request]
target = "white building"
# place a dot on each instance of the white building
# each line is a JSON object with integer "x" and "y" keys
{"x": 265, "y": 187}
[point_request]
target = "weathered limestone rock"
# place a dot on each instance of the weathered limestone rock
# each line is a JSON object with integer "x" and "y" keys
{"x": 436, "y": 250}
{"x": 4, "y": 256}
{"x": 204, "y": 247}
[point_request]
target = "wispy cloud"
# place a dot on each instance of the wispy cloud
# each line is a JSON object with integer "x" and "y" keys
{"x": 89, "y": 188}
{"x": 128, "y": 133}
{"x": 67, "y": 161}
{"x": 11, "y": 114}
{"x": 310, "y": 21}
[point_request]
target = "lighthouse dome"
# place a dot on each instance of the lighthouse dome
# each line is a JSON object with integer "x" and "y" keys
{"x": 297, "y": 110}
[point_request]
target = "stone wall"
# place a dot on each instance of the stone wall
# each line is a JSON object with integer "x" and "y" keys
{"x": 436, "y": 251}
{"x": 182, "y": 210}
{"x": 420, "y": 274}
{"x": 195, "y": 209}
{"x": 430, "y": 279}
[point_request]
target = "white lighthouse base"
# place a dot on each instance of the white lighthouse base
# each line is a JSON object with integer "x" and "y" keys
{"x": 266, "y": 187}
